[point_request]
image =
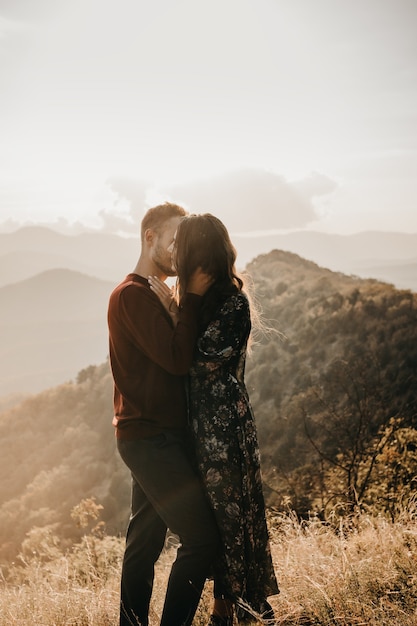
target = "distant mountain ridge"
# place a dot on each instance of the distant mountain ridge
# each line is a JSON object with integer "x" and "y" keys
{"x": 360, "y": 254}
{"x": 54, "y": 290}
{"x": 390, "y": 257}
{"x": 53, "y": 294}
{"x": 31, "y": 250}
{"x": 51, "y": 326}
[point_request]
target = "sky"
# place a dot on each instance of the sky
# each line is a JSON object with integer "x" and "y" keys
{"x": 275, "y": 115}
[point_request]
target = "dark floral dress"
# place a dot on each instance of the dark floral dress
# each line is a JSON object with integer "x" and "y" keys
{"x": 228, "y": 454}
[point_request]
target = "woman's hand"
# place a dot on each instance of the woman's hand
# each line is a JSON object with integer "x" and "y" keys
{"x": 166, "y": 296}
{"x": 199, "y": 282}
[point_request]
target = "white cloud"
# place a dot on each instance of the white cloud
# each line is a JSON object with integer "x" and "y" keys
{"x": 125, "y": 207}
{"x": 254, "y": 199}
{"x": 314, "y": 185}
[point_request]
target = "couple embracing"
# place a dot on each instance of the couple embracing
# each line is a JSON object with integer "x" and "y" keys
{"x": 184, "y": 425}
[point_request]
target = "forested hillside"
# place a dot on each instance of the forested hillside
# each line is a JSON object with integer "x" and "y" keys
{"x": 334, "y": 395}
{"x": 57, "y": 448}
{"x": 336, "y": 398}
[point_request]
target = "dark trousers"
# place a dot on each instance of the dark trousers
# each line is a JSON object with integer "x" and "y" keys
{"x": 166, "y": 493}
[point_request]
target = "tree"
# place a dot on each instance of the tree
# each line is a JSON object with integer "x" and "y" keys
{"x": 349, "y": 424}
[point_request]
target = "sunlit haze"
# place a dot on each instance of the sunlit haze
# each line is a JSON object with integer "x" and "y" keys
{"x": 273, "y": 114}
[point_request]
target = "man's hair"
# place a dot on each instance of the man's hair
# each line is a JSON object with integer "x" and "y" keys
{"x": 156, "y": 217}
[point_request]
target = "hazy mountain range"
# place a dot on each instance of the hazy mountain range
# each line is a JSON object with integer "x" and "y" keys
{"x": 52, "y": 325}
{"x": 54, "y": 290}
{"x": 391, "y": 257}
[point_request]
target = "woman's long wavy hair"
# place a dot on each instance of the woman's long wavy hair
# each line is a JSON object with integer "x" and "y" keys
{"x": 203, "y": 241}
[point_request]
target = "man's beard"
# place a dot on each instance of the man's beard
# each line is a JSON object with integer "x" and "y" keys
{"x": 163, "y": 262}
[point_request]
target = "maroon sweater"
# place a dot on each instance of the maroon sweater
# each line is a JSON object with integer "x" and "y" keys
{"x": 149, "y": 359}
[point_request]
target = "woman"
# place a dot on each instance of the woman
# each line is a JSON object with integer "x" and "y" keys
{"x": 222, "y": 421}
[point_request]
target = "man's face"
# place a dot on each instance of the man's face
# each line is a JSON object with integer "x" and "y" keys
{"x": 162, "y": 249}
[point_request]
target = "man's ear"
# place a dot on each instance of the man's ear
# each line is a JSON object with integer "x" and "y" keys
{"x": 149, "y": 236}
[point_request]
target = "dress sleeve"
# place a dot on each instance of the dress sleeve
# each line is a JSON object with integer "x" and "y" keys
{"x": 227, "y": 333}
{"x": 150, "y": 328}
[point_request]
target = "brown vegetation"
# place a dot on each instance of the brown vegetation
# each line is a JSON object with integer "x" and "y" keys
{"x": 359, "y": 572}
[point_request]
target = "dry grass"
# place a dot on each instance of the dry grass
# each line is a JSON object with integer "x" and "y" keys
{"x": 361, "y": 574}
{"x": 365, "y": 573}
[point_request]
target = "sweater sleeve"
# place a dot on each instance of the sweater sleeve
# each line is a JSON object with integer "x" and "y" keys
{"x": 150, "y": 328}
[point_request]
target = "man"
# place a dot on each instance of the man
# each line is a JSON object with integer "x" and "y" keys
{"x": 149, "y": 358}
